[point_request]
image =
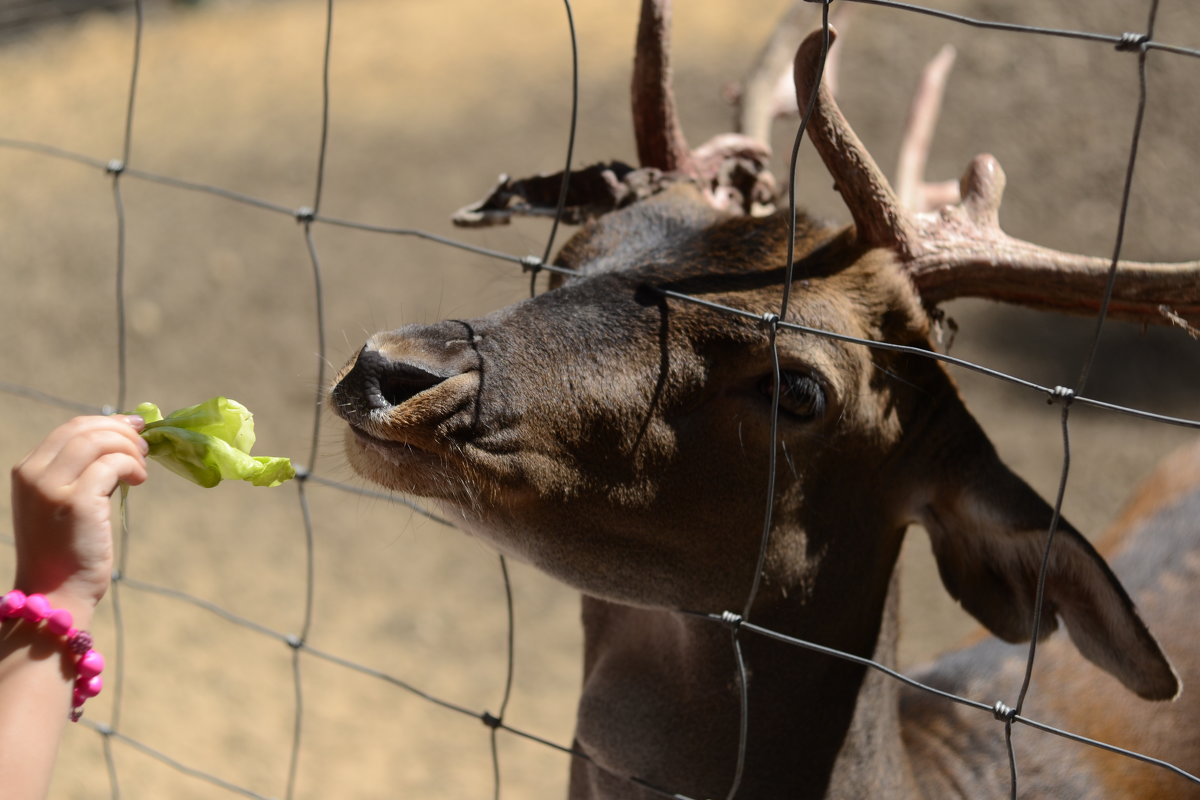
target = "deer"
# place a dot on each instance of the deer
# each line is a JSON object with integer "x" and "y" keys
{"x": 617, "y": 438}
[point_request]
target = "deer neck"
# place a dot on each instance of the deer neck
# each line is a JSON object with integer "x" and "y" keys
{"x": 661, "y": 702}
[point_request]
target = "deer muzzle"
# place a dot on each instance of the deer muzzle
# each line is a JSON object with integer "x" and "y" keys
{"x": 412, "y": 386}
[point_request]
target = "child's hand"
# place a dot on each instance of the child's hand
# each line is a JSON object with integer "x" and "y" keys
{"x": 61, "y": 507}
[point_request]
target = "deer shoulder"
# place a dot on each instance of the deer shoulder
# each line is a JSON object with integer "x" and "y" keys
{"x": 1154, "y": 547}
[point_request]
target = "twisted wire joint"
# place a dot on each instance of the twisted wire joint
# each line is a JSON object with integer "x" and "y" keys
{"x": 1132, "y": 42}
{"x": 1061, "y": 394}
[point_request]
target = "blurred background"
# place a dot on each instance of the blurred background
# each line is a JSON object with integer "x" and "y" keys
{"x": 430, "y": 101}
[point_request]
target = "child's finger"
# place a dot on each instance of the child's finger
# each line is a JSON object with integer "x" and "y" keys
{"x": 43, "y": 453}
{"x": 48, "y": 449}
{"x": 77, "y": 454}
{"x": 102, "y": 476}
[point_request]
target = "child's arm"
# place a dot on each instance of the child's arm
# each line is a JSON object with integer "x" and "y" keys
{"x": 63, "y": 529}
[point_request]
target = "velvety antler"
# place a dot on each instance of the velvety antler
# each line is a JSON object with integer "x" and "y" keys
{"x": 966, "y": 254}
{"x": 731, "y": 168}
{"x": 960, "y": 250}
{"x": 660, "y": 140}
{"x": 877, "y": 213}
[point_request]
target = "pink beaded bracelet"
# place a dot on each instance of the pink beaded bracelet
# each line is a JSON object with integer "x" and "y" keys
{"x": 88, "y": 663}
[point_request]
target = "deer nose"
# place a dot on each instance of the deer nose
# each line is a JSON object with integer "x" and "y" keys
{"x": 379, "y": 382}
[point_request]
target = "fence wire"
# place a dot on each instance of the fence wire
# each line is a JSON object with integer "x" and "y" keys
{"x": 311, "y": 219}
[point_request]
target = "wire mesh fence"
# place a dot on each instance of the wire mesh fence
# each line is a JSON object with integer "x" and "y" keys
{"x": 268, "y": 592}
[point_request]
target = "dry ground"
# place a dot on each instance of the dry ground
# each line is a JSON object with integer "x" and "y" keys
{"x": 430, "y": 100}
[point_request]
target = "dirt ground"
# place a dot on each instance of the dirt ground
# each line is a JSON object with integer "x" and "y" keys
{"x": 430, "y": 101}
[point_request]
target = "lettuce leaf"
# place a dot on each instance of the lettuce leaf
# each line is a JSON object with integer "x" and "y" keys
{"x": 210, "y": 442}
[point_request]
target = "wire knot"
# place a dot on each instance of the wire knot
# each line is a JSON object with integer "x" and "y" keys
{"x": 114, "y": 167}
{"x": 531, "y": 264}
{"x": 1003, "y": 713}
{"x": 1131, "y": 42}
{"x": 492, "y": 722}
{"x": 305, "y": 214}
{"x": 294, "y": 642}
{"x": 1061, "y": 394}
{"x": 769, "y": 320}
{"x": 731, "y": 619}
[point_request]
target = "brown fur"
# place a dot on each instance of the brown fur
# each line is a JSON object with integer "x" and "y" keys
{"x": 618, "y": 440}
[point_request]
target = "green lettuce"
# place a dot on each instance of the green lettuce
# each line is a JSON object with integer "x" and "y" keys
{"x": 210, "y": 442}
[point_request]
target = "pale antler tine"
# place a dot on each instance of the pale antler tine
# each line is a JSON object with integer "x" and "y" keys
{"x": 769, "y": 90}
{"x": 758, "y": 100}
{"x": 915, "y": 194}
{"x": 939, "y": 193}
{"x": 878, "y": 216}
{"x": 659, "y": 135}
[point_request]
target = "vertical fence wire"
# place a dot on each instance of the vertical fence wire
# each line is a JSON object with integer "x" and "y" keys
{"x": 771, "y": 322}
{"x": 305, "y": 218}
{"x": 1080, "y": 387}
{"x": 117, "y": 169}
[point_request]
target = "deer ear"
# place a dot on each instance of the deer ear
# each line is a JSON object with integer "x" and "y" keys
{"x": 988, "y": 529}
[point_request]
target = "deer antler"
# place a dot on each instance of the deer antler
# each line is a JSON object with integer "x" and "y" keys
{"x": 768, "y": 91}
{"x": 915, "y": 193}
{"x": 660, "y": 140}
{"x": 877, "y": 213}
{"x": 731, "y": 168}
{"x": 960, "y": 250}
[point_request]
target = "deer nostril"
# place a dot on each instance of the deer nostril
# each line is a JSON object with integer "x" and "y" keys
{"x": 378, "y": 382}
{"x": 398, "y": 381}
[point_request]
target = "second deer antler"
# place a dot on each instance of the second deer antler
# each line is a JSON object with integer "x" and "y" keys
{"x": 960, "y": 250}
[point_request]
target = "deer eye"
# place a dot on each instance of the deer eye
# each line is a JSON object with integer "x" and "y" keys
{"x": 800, "y": 394}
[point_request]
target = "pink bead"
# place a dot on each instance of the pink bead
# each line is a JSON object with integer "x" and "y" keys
{"x": 78, "y": 698}
{"x": 36, "y": 607}
{"x": 12, "y": 604}
{"x": 90, "y": 687}
{"x": 90, "y": 664}
{"x": 59, "y": 621}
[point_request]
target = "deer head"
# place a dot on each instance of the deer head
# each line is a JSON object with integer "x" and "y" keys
{"x": 617, "y": 438}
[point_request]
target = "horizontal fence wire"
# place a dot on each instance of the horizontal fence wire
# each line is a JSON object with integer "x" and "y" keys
{"x": 1053, "y": 394}
{"x": 310, "y": 218}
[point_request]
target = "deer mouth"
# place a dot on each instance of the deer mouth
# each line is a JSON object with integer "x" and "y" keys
{"x": 402, "y": 465}
{"x": 388, "y": 448}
